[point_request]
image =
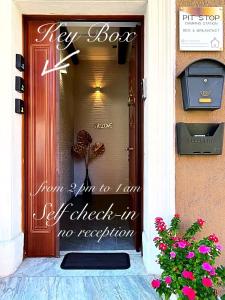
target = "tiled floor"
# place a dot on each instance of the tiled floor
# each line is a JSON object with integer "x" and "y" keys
{"x": 79, "y": 288}
{"x": 98, "y": 203}
{"x": 42, "y": 279}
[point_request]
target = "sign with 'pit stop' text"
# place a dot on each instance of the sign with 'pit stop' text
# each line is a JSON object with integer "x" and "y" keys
{"x": 201, "y": 28}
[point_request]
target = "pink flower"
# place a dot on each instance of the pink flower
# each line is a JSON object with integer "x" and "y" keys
{"x": 160, "y": 224}
{"x": 172, "y": 254}
{"x": 207, "y": 267}
{"x": 200, "y": 222}
{"x": 190, "y": 255}
{"x": 156, "y": 283}
{"x": 207, "y": 282}
{"x": 213, "y": 272}
{"x": 188, "y": 275}
{"x": 219, "y": 247}
{"x": 182, "y": 244}
{"x": 168, "y": 280}
{"x": 162, "y": 246}
{"x": 158, "y": 220}
{"x": 177, "y": 216}
{"x": 161, "y": 227}
{"x": 204, "y": 249}
{"x": 156, "y": 239}
{"x": 189, "y": 292}
{"x": 213, "y": 238}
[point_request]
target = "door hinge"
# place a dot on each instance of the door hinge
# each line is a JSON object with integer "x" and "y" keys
{"x": 144, "y": 89}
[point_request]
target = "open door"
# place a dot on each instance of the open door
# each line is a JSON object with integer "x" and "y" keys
{"x": 40, "y": 146}
{"x": 40, "y": 136}
{"x": 134, "y": 137}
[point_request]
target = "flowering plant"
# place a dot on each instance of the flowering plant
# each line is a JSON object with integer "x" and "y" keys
{"x": 188, "y": 265}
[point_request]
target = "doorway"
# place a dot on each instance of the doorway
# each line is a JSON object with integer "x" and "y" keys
{"x": 98, "y": 94}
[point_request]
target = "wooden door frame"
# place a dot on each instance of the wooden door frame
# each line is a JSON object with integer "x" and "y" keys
{"x": 140, "y": 107}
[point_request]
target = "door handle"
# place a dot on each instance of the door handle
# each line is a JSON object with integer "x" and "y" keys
{"x": 130, "y": 149}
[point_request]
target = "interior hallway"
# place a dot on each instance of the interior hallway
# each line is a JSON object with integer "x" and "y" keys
{"x": 98, "y": 203}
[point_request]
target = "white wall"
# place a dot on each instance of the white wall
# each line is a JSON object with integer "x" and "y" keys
{"x": 159, "y": 140}
{"x": 110, "y": 106}
{"x": 11, "y": 236}
{"x": 82, "y": 7}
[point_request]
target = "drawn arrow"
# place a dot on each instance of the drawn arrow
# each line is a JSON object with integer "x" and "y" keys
{"x": 59, "y": 65}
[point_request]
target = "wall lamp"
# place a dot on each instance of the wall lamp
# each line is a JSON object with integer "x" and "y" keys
{"x": 97, "y": 89}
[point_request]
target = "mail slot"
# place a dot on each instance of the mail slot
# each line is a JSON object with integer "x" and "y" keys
{"x": 200, "y": 138}
{"x": 202, "y": 85}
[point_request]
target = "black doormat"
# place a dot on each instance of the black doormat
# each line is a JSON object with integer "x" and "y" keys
{"x": 95, "y": 261}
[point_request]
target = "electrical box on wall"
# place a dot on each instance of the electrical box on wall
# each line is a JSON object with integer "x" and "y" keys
{"x": 19, "y": 84}
{"x": 20, "y": 62}
{"x": 200, "y": 138}
{"x": 19, "y": 106}
{"x": 202, "y": 85}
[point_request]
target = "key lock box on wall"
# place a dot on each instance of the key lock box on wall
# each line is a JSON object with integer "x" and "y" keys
{"x": 19, "y": 84}
{"x": 202, "y": 89}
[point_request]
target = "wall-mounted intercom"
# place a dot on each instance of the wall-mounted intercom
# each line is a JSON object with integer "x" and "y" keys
{"x": 202, "y": 84}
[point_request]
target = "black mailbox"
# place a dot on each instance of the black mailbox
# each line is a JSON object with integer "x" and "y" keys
{"x": 200, "y": 138}
{"x": 202, "y": 84}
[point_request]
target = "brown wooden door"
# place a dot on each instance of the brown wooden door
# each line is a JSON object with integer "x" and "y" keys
{"x": 134, "y": 165}
{"x": 40, "y": 145}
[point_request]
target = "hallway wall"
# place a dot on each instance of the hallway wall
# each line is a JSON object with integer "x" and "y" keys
{"x": 65, "y": 131}
{"x": 109, "y": 106}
